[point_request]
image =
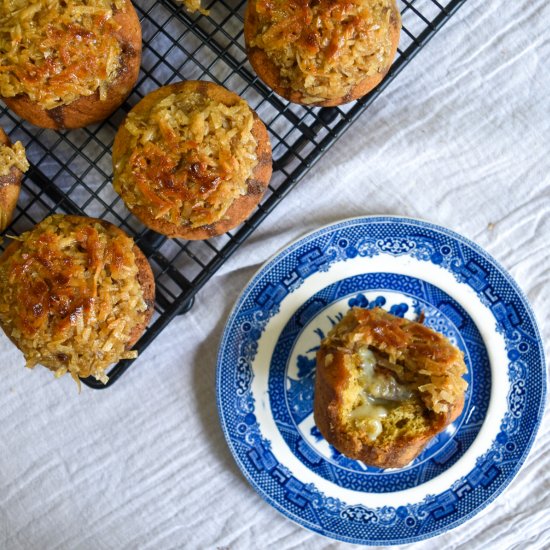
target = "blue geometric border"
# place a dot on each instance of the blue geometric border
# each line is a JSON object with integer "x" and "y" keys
{"x": 370, "y": 237}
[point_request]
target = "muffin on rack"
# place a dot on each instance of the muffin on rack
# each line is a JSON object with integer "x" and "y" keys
{"x": 13, "y": 162}
{"x": 76, "y": 294}
{"x": 191, "y": 160}
{"x": 321, "y": 52}
{"x": 385, "y": 386}
{"x": 68, "y": 63}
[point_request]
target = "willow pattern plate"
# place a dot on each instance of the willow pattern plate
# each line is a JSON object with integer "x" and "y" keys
{"x": 266, "y": 373}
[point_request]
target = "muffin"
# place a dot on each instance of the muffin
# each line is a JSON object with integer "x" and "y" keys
{"x": 68, "y": 63}
{"x": 191, "y": 160}
{"x": 76, "y": 294}
{"x": 385, "y": 386}
{"x": 13, "y": 163}
{"x": 322, "y": 52}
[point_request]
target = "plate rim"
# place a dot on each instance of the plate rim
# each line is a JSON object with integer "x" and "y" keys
{"x": 366, "y": 220}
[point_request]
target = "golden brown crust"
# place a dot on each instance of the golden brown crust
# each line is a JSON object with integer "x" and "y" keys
{"x": 241, "y": 207}
{"x": 331, "y": 384}
{"x": 10, "y": 186}
{"x": 144, "y": 277}
{"x": 91, "y": 109}
{"x": 269, "y": 72}
{"x": 146, "y": 280}
{"x": 4, "y": 139}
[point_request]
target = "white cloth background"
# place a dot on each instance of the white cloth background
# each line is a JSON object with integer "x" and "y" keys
{"x": 460, "y": 138}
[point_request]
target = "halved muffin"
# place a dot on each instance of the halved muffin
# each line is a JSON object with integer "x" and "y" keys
{"x": 68, "y": 63}
{"x": 322, "y": 52}
{"x": 191, "y": 160}
{"x": 13, "y": 162}
{"x": 76, "y": 294}
{"x": 385, "y": 386}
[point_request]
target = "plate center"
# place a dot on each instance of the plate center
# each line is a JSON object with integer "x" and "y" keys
{"x": 292, "y": 378}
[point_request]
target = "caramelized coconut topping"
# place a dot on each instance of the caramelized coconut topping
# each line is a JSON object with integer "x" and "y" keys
{"x": 324, "y": 48}
{"x": 190, "y": 158}
{"x": 13, "y": 156}
{"x": 56, "y": 51}
{"x": 193, "y": 6}
{"x": 70, "y": 296}
{"x": 403, "y": 358}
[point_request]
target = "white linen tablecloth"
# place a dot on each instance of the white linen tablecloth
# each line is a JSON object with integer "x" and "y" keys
{"x": 460, "y": 138}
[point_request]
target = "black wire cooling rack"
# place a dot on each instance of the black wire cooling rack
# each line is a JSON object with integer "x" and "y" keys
{"x": 71, "y": 171}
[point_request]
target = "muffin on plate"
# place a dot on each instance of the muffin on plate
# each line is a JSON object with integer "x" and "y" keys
{"x": 13, "y": 162}
{"x": 76, "y": 294}
{"x": 68, "y": 63}
{"x": 321, "y": 52}
{"x": 191, "y": 160}
{"x": 385, "y": 386}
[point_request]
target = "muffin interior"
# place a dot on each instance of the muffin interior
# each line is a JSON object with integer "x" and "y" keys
{"x": 377, "y": 405}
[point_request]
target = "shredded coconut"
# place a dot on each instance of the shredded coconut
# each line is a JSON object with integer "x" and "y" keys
{"x": 189, "y": 158}
{"x": 323, "y": 48}
{"x": 13, "y": 156}
{"x": 418, "y": 356}
{"x": 56, "y": 51}
{"x": 193, "y": 6}
{"x": 70, "y": 297}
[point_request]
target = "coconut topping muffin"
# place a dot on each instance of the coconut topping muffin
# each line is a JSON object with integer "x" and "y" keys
{"x": 385, "y": 386}
{"x": 321, "y": 52}
{"x": 191, "y": 160}
{"x": 67, "y": 63}
{"x": 75, "y": 295}
{"x": 13, "y": 162}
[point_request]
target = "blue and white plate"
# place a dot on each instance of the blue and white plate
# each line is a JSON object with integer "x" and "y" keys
{"x": 266, "y": 372}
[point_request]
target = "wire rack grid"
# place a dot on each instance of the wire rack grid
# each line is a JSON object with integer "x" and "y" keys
{"x": 71, "y": 171}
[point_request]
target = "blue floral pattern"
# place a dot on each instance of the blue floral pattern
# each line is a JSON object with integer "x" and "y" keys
{"x": 291, "y": 393}
{"x": 370, "y": 238}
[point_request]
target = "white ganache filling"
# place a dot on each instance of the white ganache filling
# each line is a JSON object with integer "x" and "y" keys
{"x": 380, "y": 393}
